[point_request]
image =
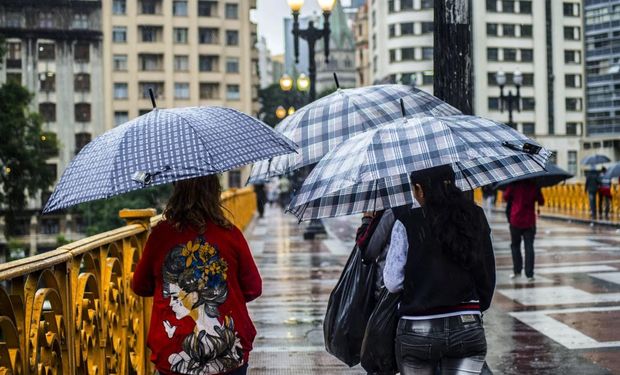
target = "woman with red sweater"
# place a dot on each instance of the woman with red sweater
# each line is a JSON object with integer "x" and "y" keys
{"x": 201, "y": 274}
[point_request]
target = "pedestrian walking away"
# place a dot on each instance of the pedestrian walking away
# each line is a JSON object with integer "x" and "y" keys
{"x": 523, "y": 196}
{"x": 261, "y": 198}
{"x": 441, "y": 260}
{"x": 199, "y": 270}
{"x": 604, "y": 194}
{"x": 591, "y": 186}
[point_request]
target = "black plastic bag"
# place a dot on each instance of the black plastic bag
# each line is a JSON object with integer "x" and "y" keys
{"x": 349, "y": 307}
{"x": 378, "y": 354}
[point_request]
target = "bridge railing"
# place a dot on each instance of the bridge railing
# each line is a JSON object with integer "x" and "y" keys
{"x": 71, "y": 310}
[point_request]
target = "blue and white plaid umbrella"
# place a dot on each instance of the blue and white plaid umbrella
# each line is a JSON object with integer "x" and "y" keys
{"x": 162, "y": 146}
{"x": 370, "y": 172}
{"x": 325, "y": 123}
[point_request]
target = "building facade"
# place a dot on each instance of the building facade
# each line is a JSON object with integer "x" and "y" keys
{"x": 541, "y": 39}
{"x": 265, "y": 64}
{"x": 55, "y": 50}
{"x": 602, "y": 59}
{"x": 362, "y": 60}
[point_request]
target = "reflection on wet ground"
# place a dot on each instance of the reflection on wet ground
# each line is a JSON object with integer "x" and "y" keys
{"x": 565, "y": 322}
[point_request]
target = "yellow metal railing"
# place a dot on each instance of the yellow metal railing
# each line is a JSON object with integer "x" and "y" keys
{"x": 71, "y": 310}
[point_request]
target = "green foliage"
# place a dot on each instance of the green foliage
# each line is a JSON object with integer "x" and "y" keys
{"x": 61, "y": 240}
{"x": 16, "y": 249}
{"x": 102, "y": 215}
{"x": 272, "y": 96}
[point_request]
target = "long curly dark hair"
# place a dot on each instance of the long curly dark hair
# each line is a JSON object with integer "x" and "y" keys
{"x": 196, "y": 201}
{"x": 453, "y": 217}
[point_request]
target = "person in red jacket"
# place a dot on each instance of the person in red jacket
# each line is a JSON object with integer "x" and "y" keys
{"x": 199, "y": 270}
{"x": 523, "y": 196}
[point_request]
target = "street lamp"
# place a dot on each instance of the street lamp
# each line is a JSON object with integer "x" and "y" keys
{"x": 311, "y": 35}
{"x": 511, "y": 101}
{"x": 280, "y": 112}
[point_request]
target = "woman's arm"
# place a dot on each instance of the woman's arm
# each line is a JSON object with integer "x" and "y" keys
{"x": 249, "y": 278}
{"x": 394, "y": 271}
{"x": 143, "y": 281}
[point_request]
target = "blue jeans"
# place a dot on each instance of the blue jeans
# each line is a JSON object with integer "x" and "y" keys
{"x": 592, "y": 198}
{"x": 457, "y": 345}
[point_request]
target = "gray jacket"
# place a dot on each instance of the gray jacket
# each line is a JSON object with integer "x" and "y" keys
{"x": 379, "y": 243}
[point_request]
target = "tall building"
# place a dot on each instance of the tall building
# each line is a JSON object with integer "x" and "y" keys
{"x": 55, "y": 50}
{"x": 362, "y": 61}
{"x": 602, "y": 56}
{"x": 277, "y": 69}
{"x": 541, "y": 39}
{"x": 188, "y": 52}
{"x": 265, "y": 64}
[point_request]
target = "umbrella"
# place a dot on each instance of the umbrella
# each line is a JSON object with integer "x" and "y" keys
{"x": 552, "y": 175}
{"x": 323, "y": 124}
{"x": 370, "y": 171}
{"x": 162, "y": 146}
{"x": 595, "y": 159}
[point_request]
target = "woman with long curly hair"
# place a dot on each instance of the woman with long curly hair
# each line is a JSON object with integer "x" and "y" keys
{"x": 441, "y": 260}
{"x": 200, "y": 271}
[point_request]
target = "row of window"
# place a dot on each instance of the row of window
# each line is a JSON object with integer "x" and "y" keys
{"x": 603, "y": 15}
{"x": 47, "y": 82}
{"x": 529, "y": 104}
{"x": 205, "y": 8}
{"x": 410, "y": 54}
{"x": 208, "y": 90}
{"x": 407, "y": 5}
{"x": 82, "y": 112}
{"x": 46, "y": 20}
{"x": 155, "y": 62}
{"x": 180, "y": 35}
{"x": 46, "y": 51}
{"x": 410, "y": 28}
{"x": 509, "y": 30}
{"x": 509, "y": 6}
{"x": 510, "y": 54}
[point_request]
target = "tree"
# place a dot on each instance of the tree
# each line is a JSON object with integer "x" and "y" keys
{"x": 271, "y": 97}
{"x": 23, "y": 151}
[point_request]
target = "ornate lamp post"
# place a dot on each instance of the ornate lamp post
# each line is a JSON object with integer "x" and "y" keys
{"x": 511, "y": 101}
{"x": 311, "y": 35}
{"x": 287, "y": 84}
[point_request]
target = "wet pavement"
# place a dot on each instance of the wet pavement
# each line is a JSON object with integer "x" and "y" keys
{"x": 565, "y": 322}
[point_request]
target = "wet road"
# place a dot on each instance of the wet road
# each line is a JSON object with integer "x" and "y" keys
{"x": 566, "y": 322}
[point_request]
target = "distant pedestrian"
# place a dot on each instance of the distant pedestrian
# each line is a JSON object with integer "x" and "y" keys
{"x": 604, "y": 195}
{"x": 273, "y": 192}
{"x": 523, "y": 196}
{"x": 591, "y": 187}
{"x": 488, "y": 199}
{"x": 284, "y": 186}
{"x": 261, "y": 198}
{"x": 441, "y": 259}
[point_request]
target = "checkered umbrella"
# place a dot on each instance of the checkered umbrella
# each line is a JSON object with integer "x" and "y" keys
{"x": 162, "y": 146}
{"x": 370, "y": 172}
{"x": 323, "y": 124}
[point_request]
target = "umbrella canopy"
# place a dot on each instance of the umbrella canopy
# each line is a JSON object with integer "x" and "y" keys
{"x": 323, "y": 124}
{"x": 613, "y": 171}
{"x": 370, "y": 172}
{"x": 552, "y": 175}
{"x": 595, "y": 159}
{"x": 162, "y": 146}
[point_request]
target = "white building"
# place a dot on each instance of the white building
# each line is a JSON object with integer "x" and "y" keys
{"x": 265, "y": 64}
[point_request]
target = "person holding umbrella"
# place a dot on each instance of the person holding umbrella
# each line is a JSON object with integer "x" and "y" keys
{"x": 591, "y": 188}
{"x": 604, "y": 194}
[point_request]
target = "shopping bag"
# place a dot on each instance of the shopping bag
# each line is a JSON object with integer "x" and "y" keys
{"x": 349, "y": 307}
{"x": 377, "y": 355}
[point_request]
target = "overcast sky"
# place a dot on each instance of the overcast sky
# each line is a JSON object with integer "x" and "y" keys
{"x": 270, "y": 14}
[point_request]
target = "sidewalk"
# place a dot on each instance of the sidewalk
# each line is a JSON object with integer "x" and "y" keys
{"x": 565, "y": 322}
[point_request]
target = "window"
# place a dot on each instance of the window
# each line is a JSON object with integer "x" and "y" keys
{"x": 406, "y": 5}
{"x": 82, "y": 112}
{"x": 120, "y": 117}
{"x": 150, "y": 34}
{"x": 120, "y": 90}
{"x": 508, "y": 29}
{"x": 179, "y": 8}
{"x": 48, "y": 111}
{"x": 492, "y": 54}
{"x": 572, "y": 162}
{"x": 46, "y": 20}
{"x": 157, "y": 87}
{"x": 14, "y": 78}
{"x": 232, "y": 38}
{"x": 81, "y": 140}
{"x": 120, "y": 62}
{"x": 572, "y": 57}
{"x": 572, "y": 33}
{"x": 571, "y": 127}
{"x": 392, "y": 30}
{"x": 208, "y": 35}
{"x": 232, "y": 92}
{"x": 144, "y": 111}
{"x": 232, "y": 11}
{"x": 427, "y": 53}
{"x": 571, "y": 9}
{"x": 528, "y": 128}
{"x": 209, "y": 90}
{"x": 80, "y": 21}
{"x": 427, "y": 4}
{"x": 492, "y": 29}
{"x": 493, "y": 104}
{"x": 526, "y": 31}
{"x": 119, "y": 34}
{"x": 52, "y": 170}
{"x": 527, "y": 55}
{"x": 208, "y": 63}
{"x": 525, "y": 7}
{"x": 14, "y": 55}
{"x": 81, "y": 82}
{"x": 181, "y": 63}
{"x": 528, "y": 79}
{"x": 510, "y": 54}
{"x": 392, "y": 55}
{"x": 528, "y": 104}
{"x": 207, "y": 8}
{"x": 407, "y": 54}
{"x": 492, "y": 6}
{"x": 508, "y": 6}
{"x": 151, "y": 62}
{"x": 149, "y": 7}
{"x": 181, "y": 90}
{"x": 572, "y": 80}
{"x": 47, "y": 81}
{"x": 232, "y": 65}
{"x": 49, "y": 141}
{"x": 406, "y": 28}
{"x": 180, "y": 35}
{"x": 391, "y": 6}
{"x": 13, "y": 20}
{"x": 119, "y": 7}
{"x": 81, "y": 53}
{"x": 427, "y": 27}
{"x": 573, "y": 104}
{"x": 47, "y": 51}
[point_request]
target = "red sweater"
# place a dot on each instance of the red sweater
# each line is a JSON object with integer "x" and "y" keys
{"x": 201, "y": 283}
{"x": 524, "y": 196}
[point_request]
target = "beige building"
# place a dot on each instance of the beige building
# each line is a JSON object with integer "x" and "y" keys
{"x": 362, "y": 61}
{"x": 190, "y": 52}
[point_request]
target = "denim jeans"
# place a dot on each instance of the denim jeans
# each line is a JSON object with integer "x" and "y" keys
{"x": 592, "y": 199}
{"x": 457, "y": 345}
{"x": 528, "y": 235}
